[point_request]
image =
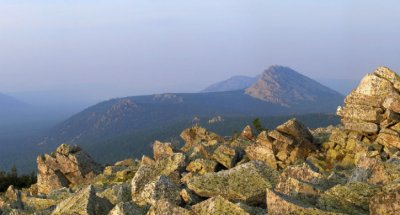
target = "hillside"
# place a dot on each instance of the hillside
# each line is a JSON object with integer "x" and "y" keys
{"x": 284, "y": 86}
{"x": 123, "y": 121}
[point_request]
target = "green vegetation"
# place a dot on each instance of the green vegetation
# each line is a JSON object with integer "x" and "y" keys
{"x": 12, "y": 178}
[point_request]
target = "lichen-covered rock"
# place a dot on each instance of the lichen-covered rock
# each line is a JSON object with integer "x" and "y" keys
{"x": 352, "y": 198}
{"x": 189, "y": 197}
{"x": 84, "y": 202}
{"x": 218, "y": 205}
{"x": 162, "y": 150}
{"x": 163, "y": 207}
{"x": 150, "y": 190}
{"x": 68, "y": 165}
{"x": 197, "y": 135}
{"x": 128, "y": 208}
{"x": 296, "y": 129}
{"x": 300, "y": 189}
{"x": 281, "y": 204}
{"x": 202, "y": 166}
{"x": 246, "y": 182}
{"x": 117, "y": 193}
{"x": 386, "y": 202}
{"x": 262, "y": 151}
{"x": 226, "y": 156}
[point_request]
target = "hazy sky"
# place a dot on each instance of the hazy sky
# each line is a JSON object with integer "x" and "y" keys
{"x": 128, "y": 47}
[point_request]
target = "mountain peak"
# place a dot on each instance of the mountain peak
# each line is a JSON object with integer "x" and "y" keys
{"x": 283, "y": 85}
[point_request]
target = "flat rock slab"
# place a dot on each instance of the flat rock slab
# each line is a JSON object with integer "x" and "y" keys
{"x": 246, "y": 182}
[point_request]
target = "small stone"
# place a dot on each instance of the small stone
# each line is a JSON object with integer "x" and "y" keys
{"x": 247, "y": 133}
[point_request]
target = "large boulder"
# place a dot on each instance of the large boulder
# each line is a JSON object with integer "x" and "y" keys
{"x": 68, "y": 165}
{"x": 127, "y": 208}
{"x": 281, "y": 204}
{"x": 198, "y": 135}
{"x": 246, "y": 182}
{"x": 386, "y": 202}
{"x": 84, "y": 202}
{"x": 352, "y": 198}
{"x": 219, "y": 205}
{"x": 164, "y": 207}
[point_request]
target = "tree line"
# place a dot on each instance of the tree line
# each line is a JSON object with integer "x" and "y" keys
{"x": 12, "y": 178}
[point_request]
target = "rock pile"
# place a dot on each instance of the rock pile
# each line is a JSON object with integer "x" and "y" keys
{"x": 68, "y": 165}
{"x": 373, "y": 109}
{"x": 349, "y": 169}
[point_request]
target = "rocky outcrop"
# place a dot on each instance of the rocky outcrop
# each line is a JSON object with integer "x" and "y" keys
{"x": 373, "y": 107}
{"x": 67, "y": 165}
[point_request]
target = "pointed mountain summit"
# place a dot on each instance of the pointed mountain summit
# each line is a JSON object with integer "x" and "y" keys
{"x": 284, "y": 86}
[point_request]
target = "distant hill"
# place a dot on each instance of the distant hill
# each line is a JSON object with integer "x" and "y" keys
{"x": 231, "y": 84}
{"x": 10, "y": 103}
{"x": 284, "y": 86}
{"x": 132, "y": 118}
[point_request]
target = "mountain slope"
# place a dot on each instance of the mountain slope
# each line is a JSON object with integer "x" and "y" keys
{"x": 286, "y": 87}
{"x": 104, "y": 125}
{"x": 231, "y": 84}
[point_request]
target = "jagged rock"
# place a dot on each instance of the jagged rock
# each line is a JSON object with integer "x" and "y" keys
{"x": 147, "y": 161}
{"x": 303, "y": 173}
{"x": 162, "y": 150}
{"x": 262, "y": 151}
{"x": 12, "y": 193}
{"x": 296, "y": 129}
{"x": 68, "y": 165}
{"x": 163, "y": 207}
{"x": 150, "y": 184}
{"x": 386, "y": 202}
{"x": 281, "y": 137}
{"x": 246, "y": 182}
{"x": 389, "y": 140}
{"x": 281, "y": 204}
{"x": 127, "y": 208}
{"x": 226, "y": 156}
{"x": 247, "y": 133}
{"x": 117, "y": 193}
{"x": 300, "y": 189}
{"x": 352, "y": 198}
{"x": 85, "y": 202}
{"x": 218, "y": 205}
{"x": 197, "y": 135}
{"x": 202, "y": 166}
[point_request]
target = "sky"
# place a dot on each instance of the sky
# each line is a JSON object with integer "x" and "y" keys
{"x": 106, "y": 49}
